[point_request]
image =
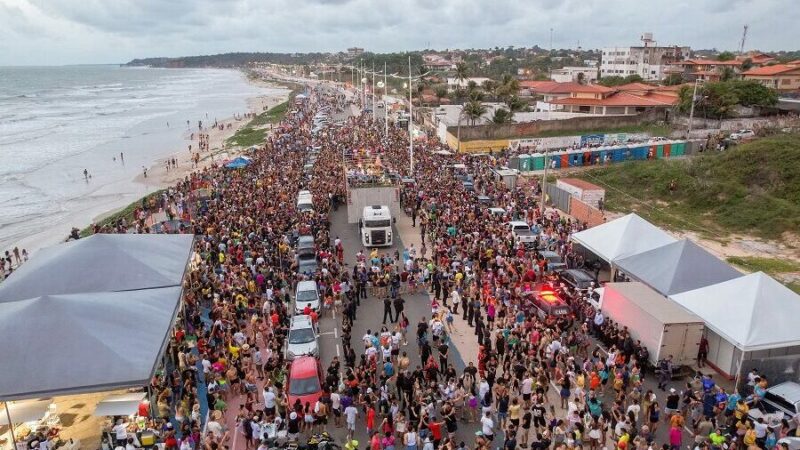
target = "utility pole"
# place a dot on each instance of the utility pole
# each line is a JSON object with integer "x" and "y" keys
{"x": 691, "y": 110}
{"x": 373, "y": 92}
{"x": 544, "y": 181}
{"x": 410, "y": 120}
{"x": 385, "y": 108}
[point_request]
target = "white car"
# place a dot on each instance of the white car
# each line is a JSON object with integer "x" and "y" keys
{"x": 742, "y": 134}
{"x": 302, "y": 339}
{"x": 306, "y": 294}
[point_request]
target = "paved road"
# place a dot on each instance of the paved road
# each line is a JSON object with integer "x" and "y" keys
{"x": 369, "y": 317}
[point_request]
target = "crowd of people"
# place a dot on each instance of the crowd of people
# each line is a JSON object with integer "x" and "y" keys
{"x": 538, "y": 383}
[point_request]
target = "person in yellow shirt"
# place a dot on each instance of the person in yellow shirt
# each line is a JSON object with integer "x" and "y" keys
{"x": 741, "y": 409}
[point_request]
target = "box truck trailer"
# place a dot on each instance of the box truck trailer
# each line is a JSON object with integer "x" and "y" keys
{"x": 663, "y": 326}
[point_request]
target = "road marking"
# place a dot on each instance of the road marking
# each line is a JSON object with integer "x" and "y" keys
{"x": 337, "y": 350}
{"x": 334, "y": 313}
{"x": 336, "y": 332}
{"x": 327, "y": 333}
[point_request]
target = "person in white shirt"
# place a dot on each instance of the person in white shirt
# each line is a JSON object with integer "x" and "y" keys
{"x": 487, "y": 426}
{"x": 336, "y": 406}
{"x": 350, "y": 414}
{"x": 269, "y": 401}
{"x": 121, "y": 433}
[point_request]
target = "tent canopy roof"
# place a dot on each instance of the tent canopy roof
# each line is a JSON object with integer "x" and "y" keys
{"x": 102, "y": 263}
{"x": 753, "y": 312}
{"x": 74, "y": 343}
{"x": 622, "y": 237}
{"x": 677, "y": 267}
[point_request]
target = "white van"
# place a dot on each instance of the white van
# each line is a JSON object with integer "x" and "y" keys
{"x": 305, "y": 202}
{"x": 306, "y": 294}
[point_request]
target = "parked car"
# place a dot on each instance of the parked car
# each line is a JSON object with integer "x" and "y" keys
{"x": 577, "y": 279}
{"x": 554, "y": 261}
{"x": 306, "y": 294}
{"x": 302, "y": 339}
{"x": 305, "y": 242}
{"x": 468, "y": 186}
{"x": 521, "y": 232}
{"x": 305, "y": 381}
{"x": 742, "y": 135}
{"x": 484, "y": 200}
{"x": 781, "y": 401}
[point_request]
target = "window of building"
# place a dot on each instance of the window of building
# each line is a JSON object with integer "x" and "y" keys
{"x": 585, "y": 109}
{"x": 786, "y": 81}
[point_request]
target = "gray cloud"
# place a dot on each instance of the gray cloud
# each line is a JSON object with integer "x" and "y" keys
{"x": 85, "y": 31}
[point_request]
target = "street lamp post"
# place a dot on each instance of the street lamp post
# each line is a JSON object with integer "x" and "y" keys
{"x": 691, "y": 110}
{"x": 373, "y": 92}
{"x": 385, "y": 109}
{"x": 410, "y": 120}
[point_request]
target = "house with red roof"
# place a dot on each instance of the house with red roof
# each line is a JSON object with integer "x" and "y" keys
{"x": 782, "y": 77}
{"x": 629, "y": 99}
{"x": 703, "y": 69}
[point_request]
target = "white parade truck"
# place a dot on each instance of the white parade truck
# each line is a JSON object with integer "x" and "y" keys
{"x": 375, "y": 226}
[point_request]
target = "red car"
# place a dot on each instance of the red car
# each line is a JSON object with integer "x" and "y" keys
{"x": 305, "y": 381}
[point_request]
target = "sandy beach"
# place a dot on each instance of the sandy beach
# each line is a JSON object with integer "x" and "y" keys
{"x": 159, "y": 177}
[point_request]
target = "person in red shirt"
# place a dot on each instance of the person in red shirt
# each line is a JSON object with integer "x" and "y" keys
{"x": 307, "y": 310}
{"x": 370, "y": 418}
{"x": 436, "y": 432}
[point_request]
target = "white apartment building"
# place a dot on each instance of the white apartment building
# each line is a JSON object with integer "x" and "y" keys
{"x": 570, "y": 73}
{"x": 647, "y": 60}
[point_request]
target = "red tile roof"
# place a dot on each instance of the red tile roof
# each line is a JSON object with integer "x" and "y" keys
{"x": 635, "y": 87}
{"x": 581, "y": 184}
{"x": 569, "y": 87}
{"x": 620, "y": 99}
{"x": 536, "y": 84}
{"x": 707, "y": 62}
{"x": 772, "y": 70}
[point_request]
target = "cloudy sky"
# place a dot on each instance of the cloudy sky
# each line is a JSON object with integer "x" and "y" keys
{"x": 39, "y": 32}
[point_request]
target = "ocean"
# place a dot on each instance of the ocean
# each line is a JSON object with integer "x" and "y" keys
{"x": 57, "y": 121}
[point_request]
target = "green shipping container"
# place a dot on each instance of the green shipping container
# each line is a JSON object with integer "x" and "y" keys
{"x": 525, "y": 163}
{"x": 537, "y": 161}
{"x": 678, "y": 149}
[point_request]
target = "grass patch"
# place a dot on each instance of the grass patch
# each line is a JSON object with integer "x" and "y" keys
{"x": 794, "y": 286}
{"x": 767, "y": 265}
{"x": 125, "y": 213}
{"x": 753, "y": 188}
{"x": 252, "y": 133}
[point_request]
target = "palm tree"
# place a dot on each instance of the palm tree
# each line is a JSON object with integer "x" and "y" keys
{"x": 508, "y": 86}
{"x": 581, "y": 77}
{"x": 727, "y": 74}
{"x": 474, "y": 110}
{"x": 476, "y": 95}
{"x": 514, "y": 105}
{"x": 489, "y": 86}
{"x": 462, "y": 73}
{"x": 501, "y": 116}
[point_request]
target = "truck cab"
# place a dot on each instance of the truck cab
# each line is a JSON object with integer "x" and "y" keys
{"x": 375, "y": 226}
{"x": 522, "y": 233}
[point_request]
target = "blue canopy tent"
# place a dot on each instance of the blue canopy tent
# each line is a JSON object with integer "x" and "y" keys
{"x": 238, "y": 163}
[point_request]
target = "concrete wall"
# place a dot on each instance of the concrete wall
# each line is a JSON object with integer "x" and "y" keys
{"x": 368, "y": 196}
{"x": 585, "y": 213}
{"x": 518, "y": 130}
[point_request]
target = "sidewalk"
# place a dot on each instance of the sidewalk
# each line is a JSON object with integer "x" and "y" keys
{"x": 462, "y": 336}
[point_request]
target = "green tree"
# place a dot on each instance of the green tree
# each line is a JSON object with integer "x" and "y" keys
{"x": 474, "y": 110}
{"x": 514, "y": 104}
{"x": 719, "y": 100}
{"x": 727, "y": 74}
{"x": 489, "y": 86}
{"x": 507, "y": 87}
{"x": 613, "y": 80}
{"x": 673, "y": 79}
{"x": 472, "y": 86}
{"x": 475, "y": 95}
{"x": 441, "y": 92}
{"x": 462, "y": 72}
{"x": 501, "y": 116}
{"x": 726, "y": 56}
{"x": 747, "y": 64}
{"x": 581, "y": 78}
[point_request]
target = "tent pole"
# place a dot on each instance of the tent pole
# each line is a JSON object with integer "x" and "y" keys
{"x": 10, "y": 426}
{"x": 739, "y": 372}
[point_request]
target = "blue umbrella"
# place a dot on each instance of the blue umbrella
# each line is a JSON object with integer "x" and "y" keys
{"x": 238, "y": 163}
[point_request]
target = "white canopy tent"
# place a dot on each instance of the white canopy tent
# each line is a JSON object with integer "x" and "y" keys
{"x": 677, "y": 267}
{"x": 750, "y": 316}
{"x": 20, "y": 412}
{"x": 623, "y": 237}
{"x": 119, "y": 405}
